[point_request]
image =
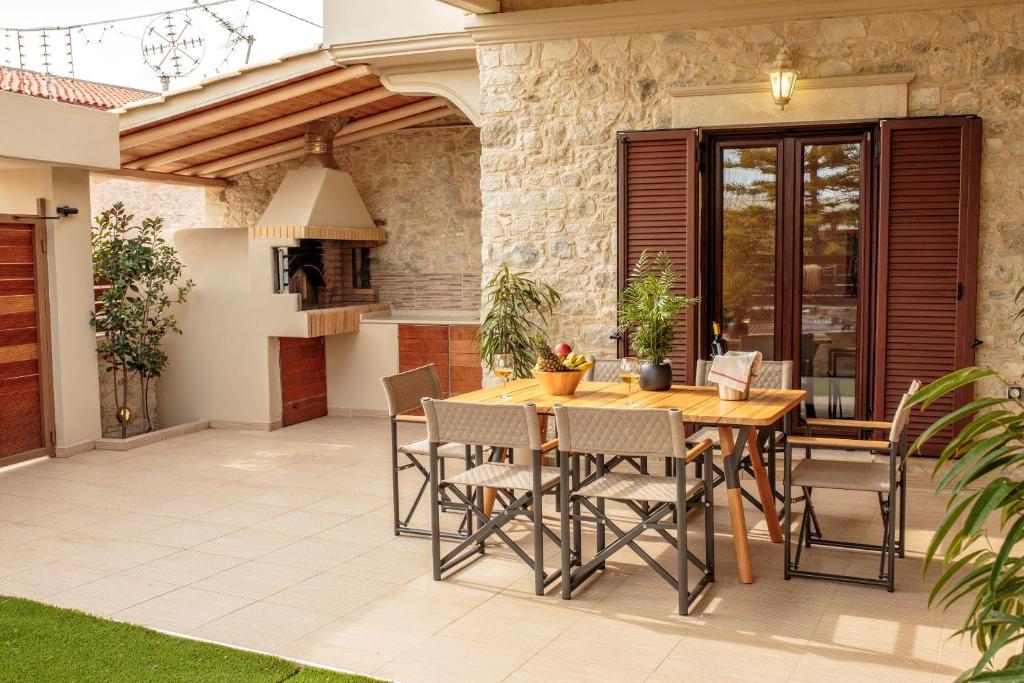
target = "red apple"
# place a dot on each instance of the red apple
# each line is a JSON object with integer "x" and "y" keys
{"x": 563, "y": 350}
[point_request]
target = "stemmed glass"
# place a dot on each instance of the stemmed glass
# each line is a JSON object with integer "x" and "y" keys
{"x": 504, "y": 366}
{"x": 629, "y": 372}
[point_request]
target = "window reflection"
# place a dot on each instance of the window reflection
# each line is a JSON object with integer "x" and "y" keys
{"x": 749, "y": 201}
{"x": 831, "y": 249}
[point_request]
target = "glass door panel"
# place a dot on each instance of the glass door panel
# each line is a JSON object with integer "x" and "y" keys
{"x": 749, "y": 210}
{"x": 831, "y": 224}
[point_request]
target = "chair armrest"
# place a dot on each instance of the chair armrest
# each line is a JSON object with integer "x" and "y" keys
{"x": 836, "y": 442}
{"x": 549, "y": 446}
{"x": 850, "y": 424}
{"x": 698, "y": 450}
{"x": 410, "y": 418}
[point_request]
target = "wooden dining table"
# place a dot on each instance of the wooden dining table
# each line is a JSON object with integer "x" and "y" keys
{"x": 738, "y": 424}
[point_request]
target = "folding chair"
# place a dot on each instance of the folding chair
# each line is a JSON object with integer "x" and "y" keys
{"x": 404, "y": 392}
{"x": 865, "y": 428}
{"x": 497, "y": 426}
{"x": 879, "y": 475}
{"x": 653, "y": 499}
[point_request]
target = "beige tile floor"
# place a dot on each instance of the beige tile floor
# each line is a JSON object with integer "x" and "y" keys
{"x": 282, "y": 542}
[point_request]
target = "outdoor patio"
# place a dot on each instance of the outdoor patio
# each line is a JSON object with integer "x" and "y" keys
{"x": 282, "y": 542}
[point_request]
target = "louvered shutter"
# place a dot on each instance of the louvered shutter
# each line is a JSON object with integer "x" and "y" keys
{"x": 657, "y": 202}
{"x": 927, "y": 260}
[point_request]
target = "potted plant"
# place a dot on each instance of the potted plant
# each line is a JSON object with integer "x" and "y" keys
{"x": 980, "y": 468}
{"x": 517, "y": 310}
{"x": 648, "y": 311}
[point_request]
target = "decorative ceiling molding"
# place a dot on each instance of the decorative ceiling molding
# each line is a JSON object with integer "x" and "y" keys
{"x": 649, "y": 16}
{"x": 439, "y": 48}
{"x": 476, "y": 6}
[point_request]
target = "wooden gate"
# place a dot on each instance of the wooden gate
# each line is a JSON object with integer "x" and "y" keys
{"x": 26, "y": 390}
{"x": 303, "y": 379}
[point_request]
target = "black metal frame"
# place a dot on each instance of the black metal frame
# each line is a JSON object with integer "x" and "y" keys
{"x": 810, "y": 529}
{"x": 400, "y": 522}
{"x": 650, "y": 519}
{"x": 530, "y": 505}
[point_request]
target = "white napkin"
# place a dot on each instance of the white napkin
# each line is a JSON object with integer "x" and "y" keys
{"x": 735, "y": 369}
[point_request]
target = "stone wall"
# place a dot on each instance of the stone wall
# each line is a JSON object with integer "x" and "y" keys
{"x": 108, "y": 407}
{"x": 551, "y": 110}
{"x": 422, "y": 185}
{"x": 181, "y": 206}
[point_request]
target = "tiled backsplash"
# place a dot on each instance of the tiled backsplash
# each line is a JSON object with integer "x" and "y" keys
{"x": 421, "y": 291}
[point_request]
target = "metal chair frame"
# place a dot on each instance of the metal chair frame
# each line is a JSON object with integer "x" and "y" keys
{"x": 810, "y": 532}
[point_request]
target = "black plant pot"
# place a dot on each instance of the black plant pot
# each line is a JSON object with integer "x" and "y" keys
{"x": 655, "y": 377}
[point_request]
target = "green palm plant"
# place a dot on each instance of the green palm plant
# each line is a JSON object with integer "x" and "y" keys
{"x": 981, "y": 470}
{"x": 517, "y": 310}
{"x": 648, "y": 307}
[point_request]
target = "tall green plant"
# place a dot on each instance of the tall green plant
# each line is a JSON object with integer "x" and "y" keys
{"x": 981, "y": 469}
{"x": 648, "y": 307}
{"x": 142, "y": 277}
{"x": 517, "y": 310}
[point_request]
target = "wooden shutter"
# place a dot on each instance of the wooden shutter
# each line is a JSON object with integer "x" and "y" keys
{"x": 929, "y": 180}
{"x": 657, "y": 193}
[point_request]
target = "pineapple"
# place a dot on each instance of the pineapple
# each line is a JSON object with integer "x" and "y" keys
{"x": 547, "y": 360}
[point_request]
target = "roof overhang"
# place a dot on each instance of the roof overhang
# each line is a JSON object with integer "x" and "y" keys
{"x": 256, "y": 117}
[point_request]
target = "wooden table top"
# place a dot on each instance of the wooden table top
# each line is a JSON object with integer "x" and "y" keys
{"x": 698, "y": 404}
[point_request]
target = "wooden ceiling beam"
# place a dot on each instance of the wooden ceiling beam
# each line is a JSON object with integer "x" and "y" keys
{"x": 414, "y": 120}
{"x": 169, "y": 178}
{"x": 476, "y": 6}
{"x": 244, "y": 105}
{"x": 161, "y": 161}
{"x": 296, "y": 143}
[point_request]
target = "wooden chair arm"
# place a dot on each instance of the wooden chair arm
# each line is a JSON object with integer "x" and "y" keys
{"x": 549, "y": 446}
{"x": 410, "y": 418}
{"x": 850, "y": 424}
{"x": 840, "y": 443}
{"x": 698, "y": 450}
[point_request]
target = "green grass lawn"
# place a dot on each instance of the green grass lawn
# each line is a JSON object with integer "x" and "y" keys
{"x": 43, "y": 643}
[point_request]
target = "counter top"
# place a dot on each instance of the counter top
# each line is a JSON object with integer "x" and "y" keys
{"x": 430, "y": 317}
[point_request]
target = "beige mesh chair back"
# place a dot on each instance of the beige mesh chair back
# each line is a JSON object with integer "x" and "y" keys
{"x": 773, "y": 374}
{"x": 496, "y": 426}
{"x": 646, "y": 433}
{"x": 604, "y": 370}
{"x": 405, "y": 389}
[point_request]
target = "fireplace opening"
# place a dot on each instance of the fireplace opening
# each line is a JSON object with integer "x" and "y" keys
{"x": 325, "y": 273}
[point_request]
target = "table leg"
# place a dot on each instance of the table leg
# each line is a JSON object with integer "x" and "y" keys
{"x": 764, "y": 488}
{"x": 733, "y": 450}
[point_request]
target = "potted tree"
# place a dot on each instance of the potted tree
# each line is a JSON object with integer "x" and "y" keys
{"x": 648, "y": 311}
{"x": 517, "y": 309}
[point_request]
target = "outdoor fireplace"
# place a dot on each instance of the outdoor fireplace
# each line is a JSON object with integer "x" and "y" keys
{"x": 326, "y": 273}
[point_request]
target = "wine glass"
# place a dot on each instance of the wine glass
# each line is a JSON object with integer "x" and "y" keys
{"x": 629, "y": 372}
{"x": 504, "y": 366}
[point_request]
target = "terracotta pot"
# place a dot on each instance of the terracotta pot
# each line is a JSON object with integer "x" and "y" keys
{"x": 559, "y": 383}
{"x": 655, "y": 377}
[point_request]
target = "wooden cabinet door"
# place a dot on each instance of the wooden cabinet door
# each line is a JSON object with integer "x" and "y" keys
{"x": 929, "y": 184}
{"x": 420, "y": 345}
{"x": 25, "y": 398}
{"x": 657, "y": 211}
{"x": 303, "y": 379}
{"x": 465, "y": 370}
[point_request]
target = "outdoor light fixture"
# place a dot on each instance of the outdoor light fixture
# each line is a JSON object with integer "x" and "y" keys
{"x": 783, "y": 78}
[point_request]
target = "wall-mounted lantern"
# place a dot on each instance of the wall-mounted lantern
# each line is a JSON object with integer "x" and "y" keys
{"x": 783, "y": 78}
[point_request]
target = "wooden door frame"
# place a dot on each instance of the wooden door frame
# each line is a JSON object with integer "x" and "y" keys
{"x": 789, "y": 141}
{"x": 43, "y": 340}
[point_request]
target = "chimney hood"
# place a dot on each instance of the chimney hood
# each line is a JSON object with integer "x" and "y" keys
{"x": 318, "y": 200}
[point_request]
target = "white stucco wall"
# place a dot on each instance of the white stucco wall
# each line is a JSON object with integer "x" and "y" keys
{"x": 355, "y": 364}
{"x": 357, "y": 21}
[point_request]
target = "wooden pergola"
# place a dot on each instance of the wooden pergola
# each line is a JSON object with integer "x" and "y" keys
{"x": 214, "y": 130}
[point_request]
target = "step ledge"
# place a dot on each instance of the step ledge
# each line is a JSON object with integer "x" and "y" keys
{"x": 131, "y": 442}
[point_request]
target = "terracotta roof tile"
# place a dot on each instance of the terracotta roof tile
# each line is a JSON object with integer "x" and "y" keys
{"x": 68, "y": 90}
